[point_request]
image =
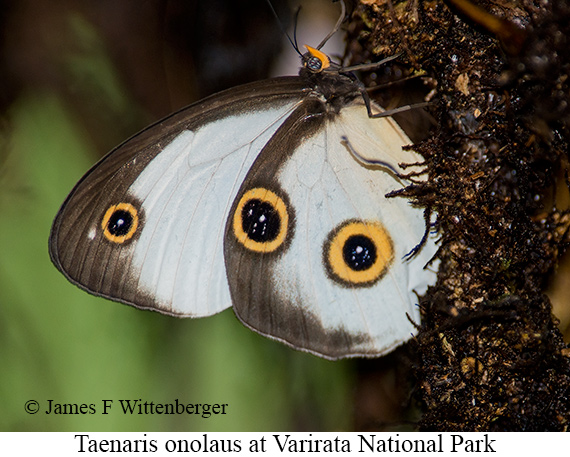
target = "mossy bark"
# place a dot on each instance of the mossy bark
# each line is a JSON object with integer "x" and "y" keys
{"x": 490, "y": 356}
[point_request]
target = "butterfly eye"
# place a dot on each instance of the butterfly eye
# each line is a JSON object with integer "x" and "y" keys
{"x": 358, "y": 253}
{"x": 316, "y": 60}
{"x": 261, "y": 220}
{"x": 120, "y": 222}
{"x": 314, "y": 64}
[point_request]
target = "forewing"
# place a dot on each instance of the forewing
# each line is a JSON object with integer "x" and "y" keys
{"x": 145, "y": 225}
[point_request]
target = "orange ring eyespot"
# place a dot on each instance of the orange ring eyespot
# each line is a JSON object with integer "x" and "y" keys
{"x": 261, "y": 220}
{"x": 318, "y": 61}
{"x": 358, "y": 253}
{"x": 120, "y": 222}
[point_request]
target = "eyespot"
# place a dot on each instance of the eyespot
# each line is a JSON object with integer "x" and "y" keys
{"x": 358, "y": 253}
{"x": 120, "y": 222}
{"x": 261, "y": 220}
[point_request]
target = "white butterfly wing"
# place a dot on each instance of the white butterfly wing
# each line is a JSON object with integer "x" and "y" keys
{"x": 251, "y": 197}
{"x": 188, "y": 191}
{"x": 177, "y": 180}
{"x": 295, "y": 293}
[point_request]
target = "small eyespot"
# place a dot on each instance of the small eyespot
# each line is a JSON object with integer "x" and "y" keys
{"x": 120, "y": 222}
{"x": 261, "y": 220}
{"x": 358, "y": 253}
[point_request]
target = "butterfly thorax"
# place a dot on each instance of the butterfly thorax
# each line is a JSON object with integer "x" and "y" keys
{"x": 335, "y": 88}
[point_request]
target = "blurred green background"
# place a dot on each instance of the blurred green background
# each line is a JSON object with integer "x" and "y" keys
{"x": 78, "y": 77}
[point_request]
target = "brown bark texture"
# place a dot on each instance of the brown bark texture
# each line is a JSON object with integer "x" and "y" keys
{"x": 490, "y": 355}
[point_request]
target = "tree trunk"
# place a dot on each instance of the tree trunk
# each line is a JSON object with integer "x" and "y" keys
{"x": 490, "y": 356}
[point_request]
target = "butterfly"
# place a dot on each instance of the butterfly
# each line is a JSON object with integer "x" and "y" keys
{"x": 268, "y": 198}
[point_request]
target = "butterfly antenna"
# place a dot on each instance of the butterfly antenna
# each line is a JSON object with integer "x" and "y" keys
{"x": 293, "y": 43}
{"x": 296, "y": 45}
{"x": 337, "y": 26}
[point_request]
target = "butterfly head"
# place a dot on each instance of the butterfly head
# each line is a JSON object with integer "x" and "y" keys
{"x": 315, "y": 60}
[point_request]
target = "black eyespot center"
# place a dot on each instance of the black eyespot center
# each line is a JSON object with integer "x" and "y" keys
{"x": 120, "y": 222}
{"x": 260, "y": 220}
{"x": 359, "y": 252}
